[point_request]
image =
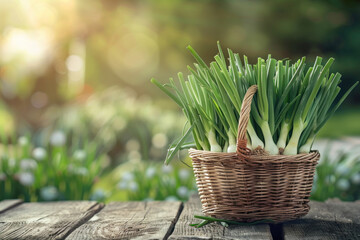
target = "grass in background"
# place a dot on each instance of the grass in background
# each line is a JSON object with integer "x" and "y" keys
{"x": 56, "y": 171}
{"x": 338, "y": 176}
{"x": 59, "y": 172}
{"x": 343, "y": 123}
{"x": 122, "y": 124}
{"x": 6, "y": 120}
{"x": 144, "y": 181}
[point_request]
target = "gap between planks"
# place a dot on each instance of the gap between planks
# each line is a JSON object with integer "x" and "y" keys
{"x": 130, "y": 220}
{"x": 8, "y": 204}
{"x": 214, "y": 231}
{"x": 277, "y": 231}
{"x": 96, "y": 208}
{"x": 172, "y": 226}
{"x": 50, "y": 220}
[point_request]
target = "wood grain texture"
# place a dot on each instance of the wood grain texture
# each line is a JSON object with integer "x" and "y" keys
{"x": 331, "y": 220}
{"x": 213, "y": 231}
{"x": 52, "y": 220}
{"x": 130, "y": 220}
{"x": 8, "y": 204}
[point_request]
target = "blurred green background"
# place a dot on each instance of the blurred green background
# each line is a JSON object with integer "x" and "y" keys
{"x": 77, "y": 105}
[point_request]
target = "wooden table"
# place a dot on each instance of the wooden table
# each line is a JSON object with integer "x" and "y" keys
{"x": 163, "y": 220}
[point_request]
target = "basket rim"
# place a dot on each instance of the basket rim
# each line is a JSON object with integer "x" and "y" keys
{"x": 209, "y": 156}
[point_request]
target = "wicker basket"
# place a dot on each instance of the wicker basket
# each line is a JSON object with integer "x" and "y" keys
{"x": 247, "y": 187}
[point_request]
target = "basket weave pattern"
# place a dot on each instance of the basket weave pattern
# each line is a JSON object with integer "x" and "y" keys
{"x": 246, "y": 187}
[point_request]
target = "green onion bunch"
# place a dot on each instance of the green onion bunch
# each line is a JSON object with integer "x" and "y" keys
{"x": 293, "y": 102}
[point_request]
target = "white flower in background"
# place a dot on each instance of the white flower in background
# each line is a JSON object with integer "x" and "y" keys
{"x": 171, "y": 199}
{"x": 98, "y": 195}
{"x": 343, "y": 184}
{"x": 133, "y": 186}
{"x": 26, "y": 178}
{"x": 122, "y": 185}
{"x": 150, "y": 172}
{"x": 2, "y": 176}
{"x": 49, "y": 193}
{"x": 184, "y": 174}
{"x": 58, "y": 139}
{"x": 80, "y": 155}
{"x": 148, "y": 199}
{"x": 39, "y": 153}
{"x": 159, "y": 140}
{"x": 342, "y": 169}
{"x": 128, "y": 176}
{"x": 167, "y": 169}
{"x": 23, "y": 141}
{"x": 356, "y": 178}
{"x": 82, "y": 171}
{"x": 330, "y": 179}
{"x": 28, "y": 164}
{"x": 170, "y": 181}
{"x": 182, "y": 191}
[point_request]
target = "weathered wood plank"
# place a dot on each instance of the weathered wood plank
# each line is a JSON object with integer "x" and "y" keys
{"x": 52, "y": 220}
{"x": 213, "y": 231}
{"x": 8, "y": 204}
{"x": 130, "y": 220}
{"x": 330, "y": 220}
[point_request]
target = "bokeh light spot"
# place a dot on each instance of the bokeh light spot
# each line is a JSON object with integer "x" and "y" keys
{"x": 74, "y": 63}
{"x": 159, "y": 140}
{"x": 39, "y": 99}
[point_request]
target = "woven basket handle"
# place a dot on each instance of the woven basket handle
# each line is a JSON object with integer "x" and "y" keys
{"x": 243, "y": 121}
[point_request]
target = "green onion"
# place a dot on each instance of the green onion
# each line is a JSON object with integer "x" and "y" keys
{"x": 293, "y": 102}
{"x": 206, "y": 220}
